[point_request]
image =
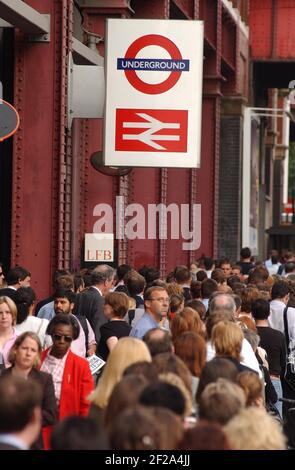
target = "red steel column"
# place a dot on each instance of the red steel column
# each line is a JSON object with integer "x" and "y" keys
{"x": 37, "y": 150}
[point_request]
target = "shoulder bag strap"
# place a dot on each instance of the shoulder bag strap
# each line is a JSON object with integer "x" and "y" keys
{"x": 286, "y": 329}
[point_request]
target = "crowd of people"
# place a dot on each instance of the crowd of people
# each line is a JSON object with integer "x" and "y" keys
{"x": 195, "y": 360}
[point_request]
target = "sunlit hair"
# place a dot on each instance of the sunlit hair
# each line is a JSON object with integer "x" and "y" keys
{"x": 187, "y": 320}
{"x": 174, "y": 289}
{"x": 248, "y": 295}
{"x": 18, "y": 342}
{"x": 252, "y": 386}
{"x": 227, "y": 338}
{"x": 167, "y": 362}
{"x": 254, "y": 429}
{"x": 220, "y": 401}
{"x": 126, "y": 352}
{"x": 11, "y": 305}
{"x": 119, "y": 303}
{"x": 191, "y": 348}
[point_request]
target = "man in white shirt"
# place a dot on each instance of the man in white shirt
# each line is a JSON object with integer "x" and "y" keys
{"x": 64, "y": 301}
{"x": 280, "y": 297}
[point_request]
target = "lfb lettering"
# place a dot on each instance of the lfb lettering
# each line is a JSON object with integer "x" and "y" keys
{"x": 99, "y": 255}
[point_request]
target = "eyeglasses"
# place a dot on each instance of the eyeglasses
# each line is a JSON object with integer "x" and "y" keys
{"x": 68, "y": 339}
{"x": 161, "y": 299}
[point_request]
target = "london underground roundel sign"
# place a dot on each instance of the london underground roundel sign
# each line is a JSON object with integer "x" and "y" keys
{"x": 9, "y": 120}
{"x": 174, "y": 66}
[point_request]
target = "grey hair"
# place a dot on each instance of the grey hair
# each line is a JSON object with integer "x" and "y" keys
{"x": 217, "y": 305}
{"x": 102, "y": 273}
{"x": 252, "y": 337}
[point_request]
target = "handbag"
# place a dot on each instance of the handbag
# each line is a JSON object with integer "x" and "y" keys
{"x": 289, "y": 374}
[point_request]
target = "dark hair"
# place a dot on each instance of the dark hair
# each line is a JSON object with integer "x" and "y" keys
{"x": 260, "y": 309}
{"x": 65, "y": 281}
{"x": 175, "y": 302}
{"x": 78, "y": 282}
{"x": 64, "y": 319}
{"x": 205, "y": 436}
{"x": 218, "y": 276}
{"x": 24, "y": 298}
{"x": 122, "y": 270}
{"x": 213, "y": 370}
{"x": 201, "y": 275}
{"x": 237, "y": 300}
{"x": 198, "y": 306}
{"x": 78, "y": 433}
{"x": 195, "y": 289}
{"x": 163, "y": 394}
{"x": 15, "y": 274}
{"x": 134, "y": 282}
{"x": 208, "y": 287}
{"x": 101, "y": 274}
{"x": 182, "y": 274}
{"x": 208, "y": 263}
{"x": 62, "y": 293}
{"x": 158, "y": 341}
{"x": 125, "y": 393}
{"x": 245, "y": 253}
{"x": 232, "y": 280}
{"x": 150, "y": 273}
{"x": 56, "y": 274}
{"x": 19, "y": 398}
{"x": 279, "y": 289}
{"x": 135, "y": 429}
{"x": 145, "y": 369}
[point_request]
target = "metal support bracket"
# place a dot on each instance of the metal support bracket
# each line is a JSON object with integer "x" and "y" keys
{"x": 44, "y": 37}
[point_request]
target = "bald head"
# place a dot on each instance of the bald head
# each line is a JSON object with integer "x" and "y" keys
{"x": 158, "y": 341}
{"x": 222, "y": 303}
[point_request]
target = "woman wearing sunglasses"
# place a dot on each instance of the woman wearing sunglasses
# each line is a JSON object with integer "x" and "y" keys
{"x": 24, "y": 357}
{"x": 71, "y": 374}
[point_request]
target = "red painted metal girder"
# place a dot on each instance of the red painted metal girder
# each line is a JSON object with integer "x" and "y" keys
{"x": 32, "y": 210}
{"x": 285, "y": 44}
{"x": 151, "y": 9}
{"x": 178, "y": 193}
{"x": 260, "y": 22}
{"x": 186, "y": 7}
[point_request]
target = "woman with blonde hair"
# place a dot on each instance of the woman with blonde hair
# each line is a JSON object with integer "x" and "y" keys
{"x": 227, "y": 339}
{"x": 8, "y": 333}
{"x": 253, "y": 429}
{"x": 127, "y": 351}
{"x": 25, "y": 357}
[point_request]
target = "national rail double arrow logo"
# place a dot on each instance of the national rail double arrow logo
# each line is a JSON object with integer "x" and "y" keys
{"x": 153, "y": 130}
{"x": 175, "y": 66}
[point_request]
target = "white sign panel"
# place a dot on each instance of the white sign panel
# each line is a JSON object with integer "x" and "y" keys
{"x": 99, "y": 247}
{"x": 154, "y": 74}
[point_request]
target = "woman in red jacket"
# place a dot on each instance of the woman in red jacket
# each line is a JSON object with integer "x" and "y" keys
{"x": 71, "y": 374}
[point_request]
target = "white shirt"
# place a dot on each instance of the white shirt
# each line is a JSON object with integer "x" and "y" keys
{"x": 276, "y": 318}
{"x": 247, "y": 355}
{"x": 35, "y": 324}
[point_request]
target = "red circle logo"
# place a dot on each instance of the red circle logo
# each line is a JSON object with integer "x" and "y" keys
{"x": 152, "y": 40}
